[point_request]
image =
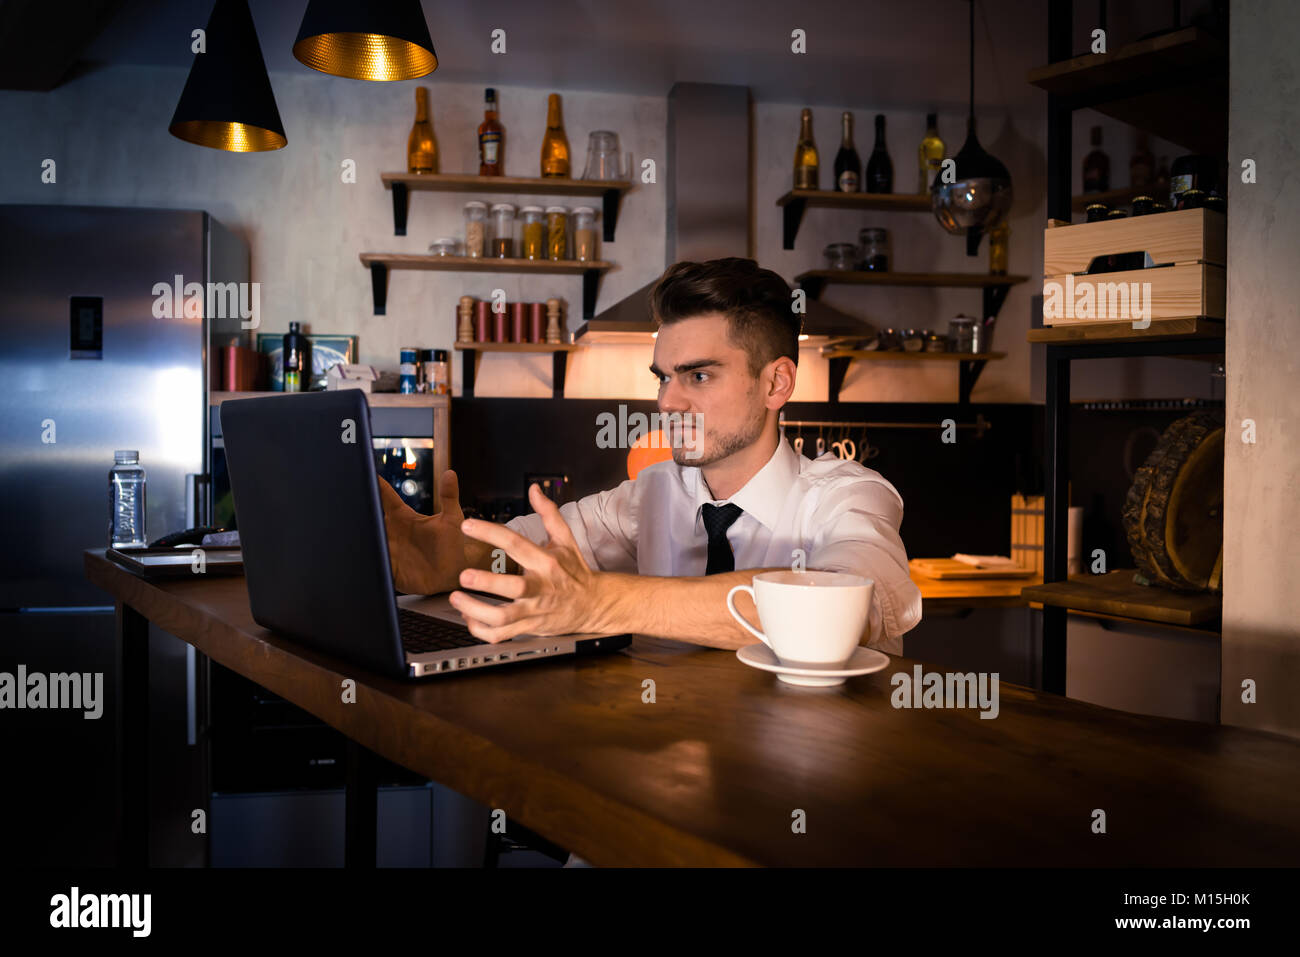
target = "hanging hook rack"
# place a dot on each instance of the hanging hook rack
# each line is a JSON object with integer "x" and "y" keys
{"x": 980, "y": 425}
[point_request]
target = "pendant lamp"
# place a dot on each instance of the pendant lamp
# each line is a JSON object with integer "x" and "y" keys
{"x": 981, "y": 193}
{"x": 227, "y": 102}
{"x": 366, "y": 39}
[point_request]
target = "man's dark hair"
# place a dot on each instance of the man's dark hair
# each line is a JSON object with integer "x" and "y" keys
{"x": 755, "y": 301}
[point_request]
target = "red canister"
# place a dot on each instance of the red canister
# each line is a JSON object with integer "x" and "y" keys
{"x": 536, "y": 321}
{"x": 518, "y": 319}
{"x": 499, "y": 330}
{"x": 482, "y": 326}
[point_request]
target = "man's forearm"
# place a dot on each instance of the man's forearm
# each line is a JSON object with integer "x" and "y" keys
{"x": 688, "y": 609}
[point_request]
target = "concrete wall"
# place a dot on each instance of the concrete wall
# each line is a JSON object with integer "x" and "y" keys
{"x": 1261, "y": 603}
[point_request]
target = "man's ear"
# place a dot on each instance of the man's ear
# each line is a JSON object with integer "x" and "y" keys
{"x": 780, "y": 377}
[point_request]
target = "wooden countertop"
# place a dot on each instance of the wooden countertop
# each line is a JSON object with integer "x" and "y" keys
{"x": 975, "y": 592}
{"x": 712, "y": 772}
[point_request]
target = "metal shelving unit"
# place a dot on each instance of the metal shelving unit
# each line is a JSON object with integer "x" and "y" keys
{"x": 1174, "y": 86}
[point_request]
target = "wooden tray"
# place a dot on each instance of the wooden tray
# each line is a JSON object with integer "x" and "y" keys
{"x": 942, "y": 568}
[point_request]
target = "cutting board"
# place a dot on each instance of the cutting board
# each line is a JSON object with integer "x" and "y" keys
{"x": 951, "y": 568}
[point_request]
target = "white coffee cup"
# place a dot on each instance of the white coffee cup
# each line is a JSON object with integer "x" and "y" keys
{"x": 811, "y": 618}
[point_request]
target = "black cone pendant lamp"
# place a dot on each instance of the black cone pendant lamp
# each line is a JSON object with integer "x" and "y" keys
{"x": 227, "y": 102}
{"x": 980, "y": 195}
{"x": 366, "y": 39}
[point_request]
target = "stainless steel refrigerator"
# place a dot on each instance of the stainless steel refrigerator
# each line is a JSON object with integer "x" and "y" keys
{"x": 90, "y": 362}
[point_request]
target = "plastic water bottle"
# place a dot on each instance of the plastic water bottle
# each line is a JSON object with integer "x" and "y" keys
{"x": 126, "y": 501}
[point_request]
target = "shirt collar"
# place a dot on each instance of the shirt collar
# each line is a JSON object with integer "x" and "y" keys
{"x": 764, "y": 495}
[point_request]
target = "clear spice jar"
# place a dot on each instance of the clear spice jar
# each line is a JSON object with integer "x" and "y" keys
{"x": 840, "y": 256}
{"x": 961, "y": 334}
{"x": 873, "y": 249}
{"x": 584, "y": 233}
{"x": 444, "y": 247}
{"x": 503, "y": 230}
{"x": 475, "y": 228}
{"x": 557, "y": 229}
{"x": 534, "y": 233}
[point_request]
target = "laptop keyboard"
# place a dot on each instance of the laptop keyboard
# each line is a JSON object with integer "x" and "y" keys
{"x": 424, "y": 633}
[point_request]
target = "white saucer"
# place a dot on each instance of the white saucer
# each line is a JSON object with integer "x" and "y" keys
{"x": 864, "y": 661}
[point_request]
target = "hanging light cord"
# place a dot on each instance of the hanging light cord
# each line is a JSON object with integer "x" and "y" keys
{"x": 971, "y": 117}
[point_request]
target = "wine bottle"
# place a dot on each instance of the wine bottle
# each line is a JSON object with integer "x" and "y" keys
{"x": 805, "y": 154}
{"x": 421, "y": 146}
{"x": 848, "y": 168}
{"x": 1141, "y": 166}
{"x": 491, "y": 139}
{"x": 1096, "y": 166}
{"x": 929, "y": 154}
{"x": 880, "y": 170}
{"x": 555, "y": 145}
{"x": 294, "y": 362}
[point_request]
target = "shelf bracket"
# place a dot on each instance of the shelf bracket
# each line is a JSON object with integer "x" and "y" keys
{"x": 590, "y": 286}
{"x": 791, "y": 217}
{"x": 994, "y": 297}
{"x": 401, "y": 202}
{"x": 610, "y": 200}
{"x": 968, "y": 374}
{"x": 839, "y": 367}
{"x": 559, "y": 365}
{"x": 379, "y": 286}
{"x": 813, "y": 285}
{"x": 468, "y": 368}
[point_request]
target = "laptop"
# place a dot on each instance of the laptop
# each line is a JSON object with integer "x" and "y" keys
{"x": 311, "y": 528}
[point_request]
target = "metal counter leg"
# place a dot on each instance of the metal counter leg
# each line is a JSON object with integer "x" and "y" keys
{"x": 133, "y": 736}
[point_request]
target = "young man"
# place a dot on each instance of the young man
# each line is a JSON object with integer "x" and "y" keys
{"x": 658, "y": 554}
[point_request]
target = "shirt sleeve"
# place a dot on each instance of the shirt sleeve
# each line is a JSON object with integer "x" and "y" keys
{"x": 604, "y": 525}
{"x": 856, "y": 531}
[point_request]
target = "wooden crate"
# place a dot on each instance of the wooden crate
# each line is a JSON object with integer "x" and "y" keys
{"x": 1186, "y": 251}
{"x": 1027, "y": 531}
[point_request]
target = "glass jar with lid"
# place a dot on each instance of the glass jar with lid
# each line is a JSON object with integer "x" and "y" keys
{"x": 584, "y": 233}
{"x": 873, "y": 249}
{"x": 444, "y": 247}
{"x": 961, "y": 334}
{"x": 475, "y": 229}
{"x": 841, "y": 256}
{"x": 503, "y": 230}
{"x": 534, "y": 233}
{"x": 557, "y": 232}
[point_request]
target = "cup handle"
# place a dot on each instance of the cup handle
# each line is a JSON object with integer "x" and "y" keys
{"x": 731, "y": 607}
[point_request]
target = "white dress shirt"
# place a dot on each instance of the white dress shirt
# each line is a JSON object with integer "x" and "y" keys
{"x": 843, "y": 515}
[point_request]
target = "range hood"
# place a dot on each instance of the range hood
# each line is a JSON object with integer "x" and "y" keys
{"x": 707, "y": 177}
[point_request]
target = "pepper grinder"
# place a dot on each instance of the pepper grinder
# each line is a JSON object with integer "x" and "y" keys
{"x": 465, "y": 327}
{"x": 553, "y": 320}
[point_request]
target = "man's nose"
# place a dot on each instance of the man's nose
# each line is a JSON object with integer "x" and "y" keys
{"x": 671, "y": 398}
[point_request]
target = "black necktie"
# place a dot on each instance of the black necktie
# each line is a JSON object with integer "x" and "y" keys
{"x": 717, "y": 519}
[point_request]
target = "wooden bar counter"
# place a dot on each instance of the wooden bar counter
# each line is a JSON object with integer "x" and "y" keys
{"x": 724, "y": 763}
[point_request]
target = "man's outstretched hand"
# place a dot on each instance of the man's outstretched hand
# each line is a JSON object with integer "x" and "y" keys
{"x": 427, "y": 552}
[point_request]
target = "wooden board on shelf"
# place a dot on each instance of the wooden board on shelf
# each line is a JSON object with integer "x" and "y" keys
{"x": 517, "y": 346}
{"x": 1189, "y": 48}
{"x": 484, "y": 263}
{"x": 932, "y": 279}
{"x": 894, "y": 356}
{"x": 884, "y": 202}
{"x": 1195, "y": 327}
{"x": 1116, "y": 594}
{"x": 375, "y": 399}
{"x": 472, "y": 183}
{"x": 950, "y": 568}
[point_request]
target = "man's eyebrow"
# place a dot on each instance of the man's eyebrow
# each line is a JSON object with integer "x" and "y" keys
{"x": 687, "y": 366}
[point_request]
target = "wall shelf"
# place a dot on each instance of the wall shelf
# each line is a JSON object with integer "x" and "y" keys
{"x": 796, "y": 201}
{"x": 1117, "y": 594}
{"x": 1160, "y": 330}
{"x": 380, "y": 263}
{"x": 610, "y": 191}
{"x": 1173, "y": 86}
{"x": 471, "y": 352}
{"x": 968, "y": 372}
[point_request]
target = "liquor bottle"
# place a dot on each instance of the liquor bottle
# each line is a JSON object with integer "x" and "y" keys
{"x": 1141, "y": 165}
{"x": 491, "y": 139}
{"x": 929, "y": 154}
{"x": 1096, "y": 166}
{"x": 848, "y": 168}
{"x": 555, "y": 145}
{"x": 421, "y": 146}
{"x": 805, "y": 154}
{"x": 880, "y": 170}
{"x": 294, "y": 364}
{"x": 1160, "y": 187}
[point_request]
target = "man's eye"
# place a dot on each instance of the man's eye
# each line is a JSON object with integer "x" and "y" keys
{"x": 704, "y": 374}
